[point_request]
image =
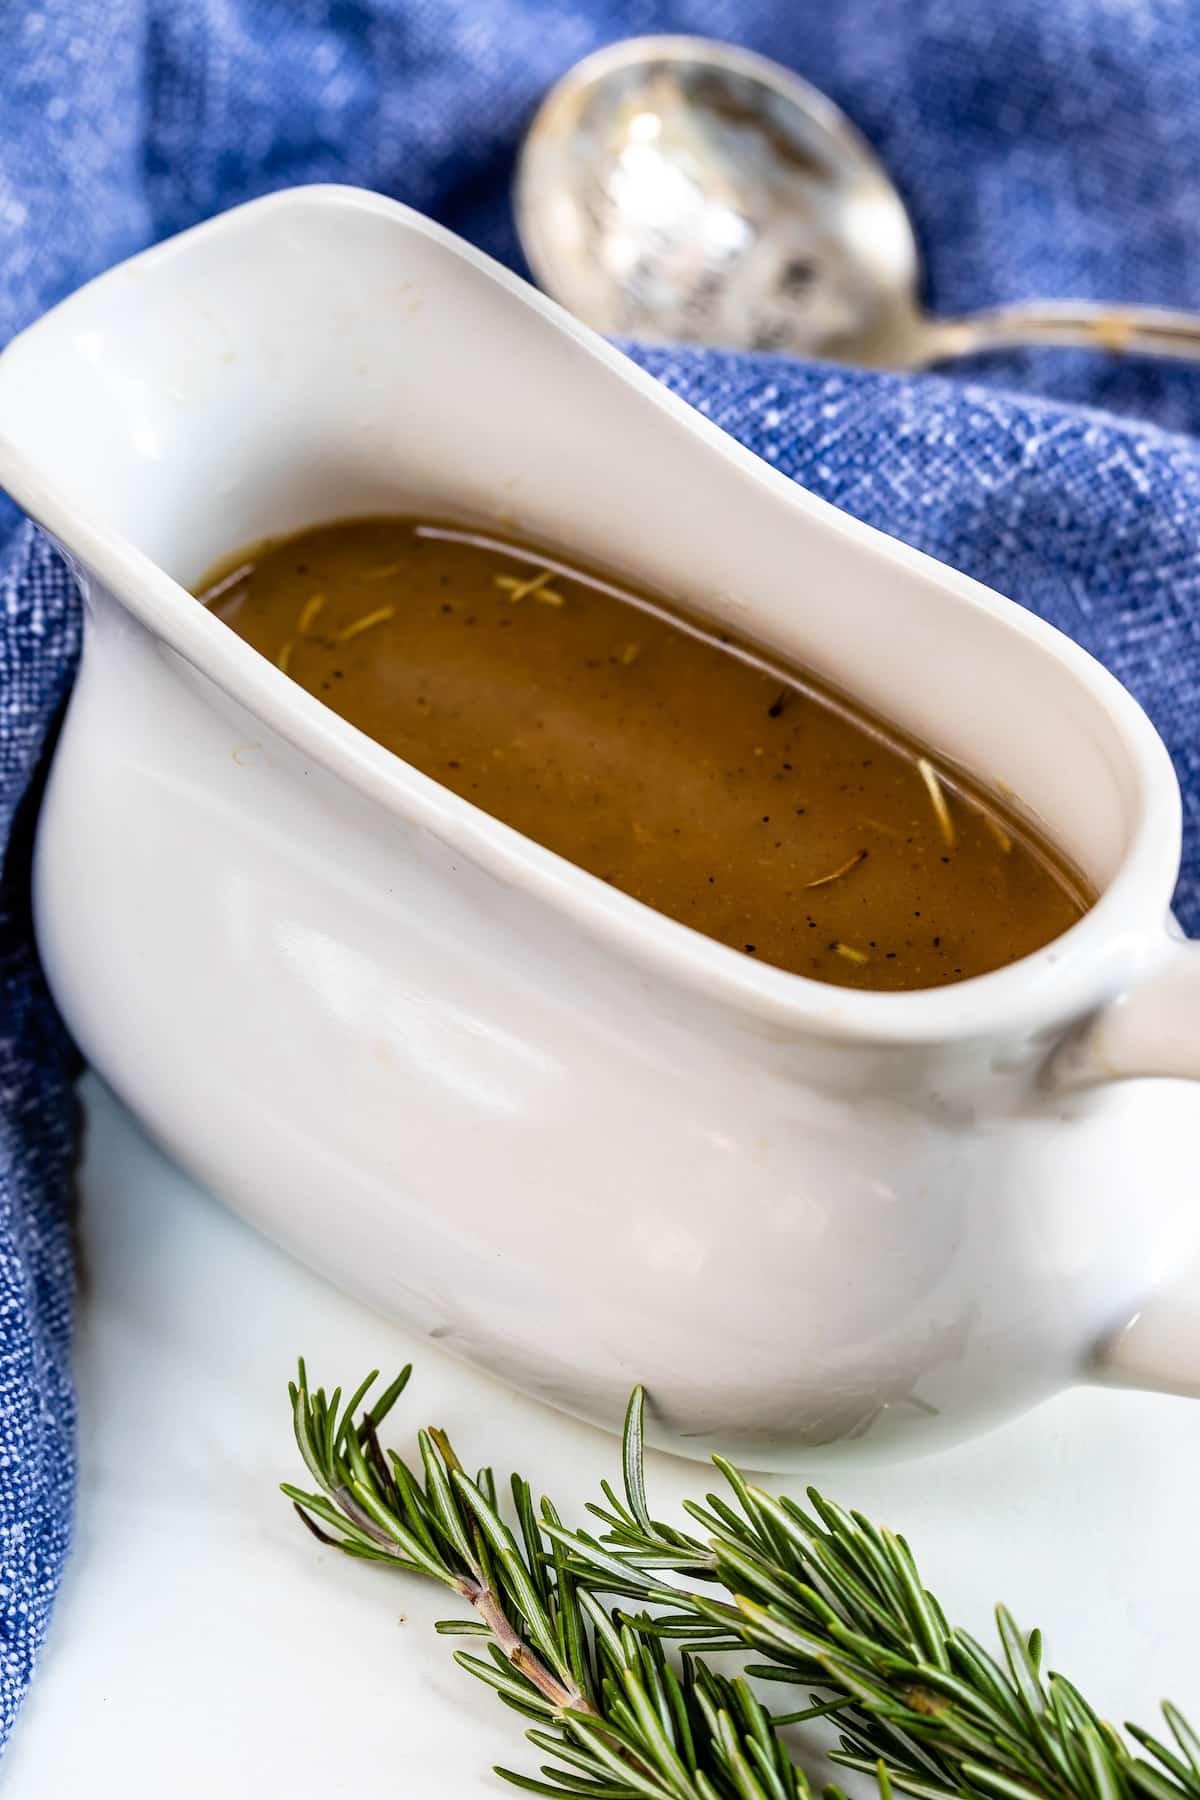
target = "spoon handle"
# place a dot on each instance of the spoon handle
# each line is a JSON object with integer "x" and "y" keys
{"x": 1067, "y": 324}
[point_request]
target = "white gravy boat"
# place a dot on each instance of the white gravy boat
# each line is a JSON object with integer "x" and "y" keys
{"x": 570, "y": 1139}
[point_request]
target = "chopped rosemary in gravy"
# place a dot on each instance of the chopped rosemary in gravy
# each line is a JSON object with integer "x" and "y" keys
{"x": 368, "y": 621}
{"x": 694, "y": 770}
{"x": 308, "y": 613}
{"x": 937, "y": 796}
{"x": 851, "y": 954}
{"x": 851, "y": 862}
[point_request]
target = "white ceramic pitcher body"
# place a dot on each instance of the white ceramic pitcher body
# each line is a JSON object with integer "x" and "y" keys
{"x": 569, "y": 1138}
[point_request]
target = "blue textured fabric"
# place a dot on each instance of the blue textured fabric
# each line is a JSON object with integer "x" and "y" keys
{"x": 1043, "y": 149}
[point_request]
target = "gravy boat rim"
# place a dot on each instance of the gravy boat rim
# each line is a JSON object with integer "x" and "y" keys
{"x": 1119, "y": 937}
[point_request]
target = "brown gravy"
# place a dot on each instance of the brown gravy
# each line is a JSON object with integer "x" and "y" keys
{"x": 687, "y": 767}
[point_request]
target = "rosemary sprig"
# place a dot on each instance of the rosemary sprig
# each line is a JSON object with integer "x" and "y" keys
{"x": 622, "y": 1722}
{"x": 834, "y": 1604}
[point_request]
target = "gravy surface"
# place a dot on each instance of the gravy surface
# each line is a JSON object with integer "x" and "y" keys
{"x": 685, "y": 766}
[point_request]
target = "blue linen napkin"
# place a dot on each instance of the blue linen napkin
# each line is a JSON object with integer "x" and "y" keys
{"x": 1043, "y": 150}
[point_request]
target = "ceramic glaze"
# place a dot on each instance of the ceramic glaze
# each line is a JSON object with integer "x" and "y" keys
{"x": 567, "y": 1137}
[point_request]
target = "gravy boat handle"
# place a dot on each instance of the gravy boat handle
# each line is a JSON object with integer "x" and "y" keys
{"x": 1152, "y": 1030}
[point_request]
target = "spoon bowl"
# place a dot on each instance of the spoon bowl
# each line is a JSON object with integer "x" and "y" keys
{"x": 670, "y": 193}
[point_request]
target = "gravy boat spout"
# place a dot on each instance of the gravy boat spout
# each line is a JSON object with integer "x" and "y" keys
{"x": 565, "y": 1136}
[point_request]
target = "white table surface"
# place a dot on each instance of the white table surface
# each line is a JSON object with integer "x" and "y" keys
{"x": 205, "y": 1648}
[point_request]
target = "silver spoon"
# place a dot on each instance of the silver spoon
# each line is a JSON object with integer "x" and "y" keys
{"x": 676, "y": 189}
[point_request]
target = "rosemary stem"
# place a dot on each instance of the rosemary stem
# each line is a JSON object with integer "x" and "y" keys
{"x": 364, "y": 1521}
{"x": 516, "y": 1651}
